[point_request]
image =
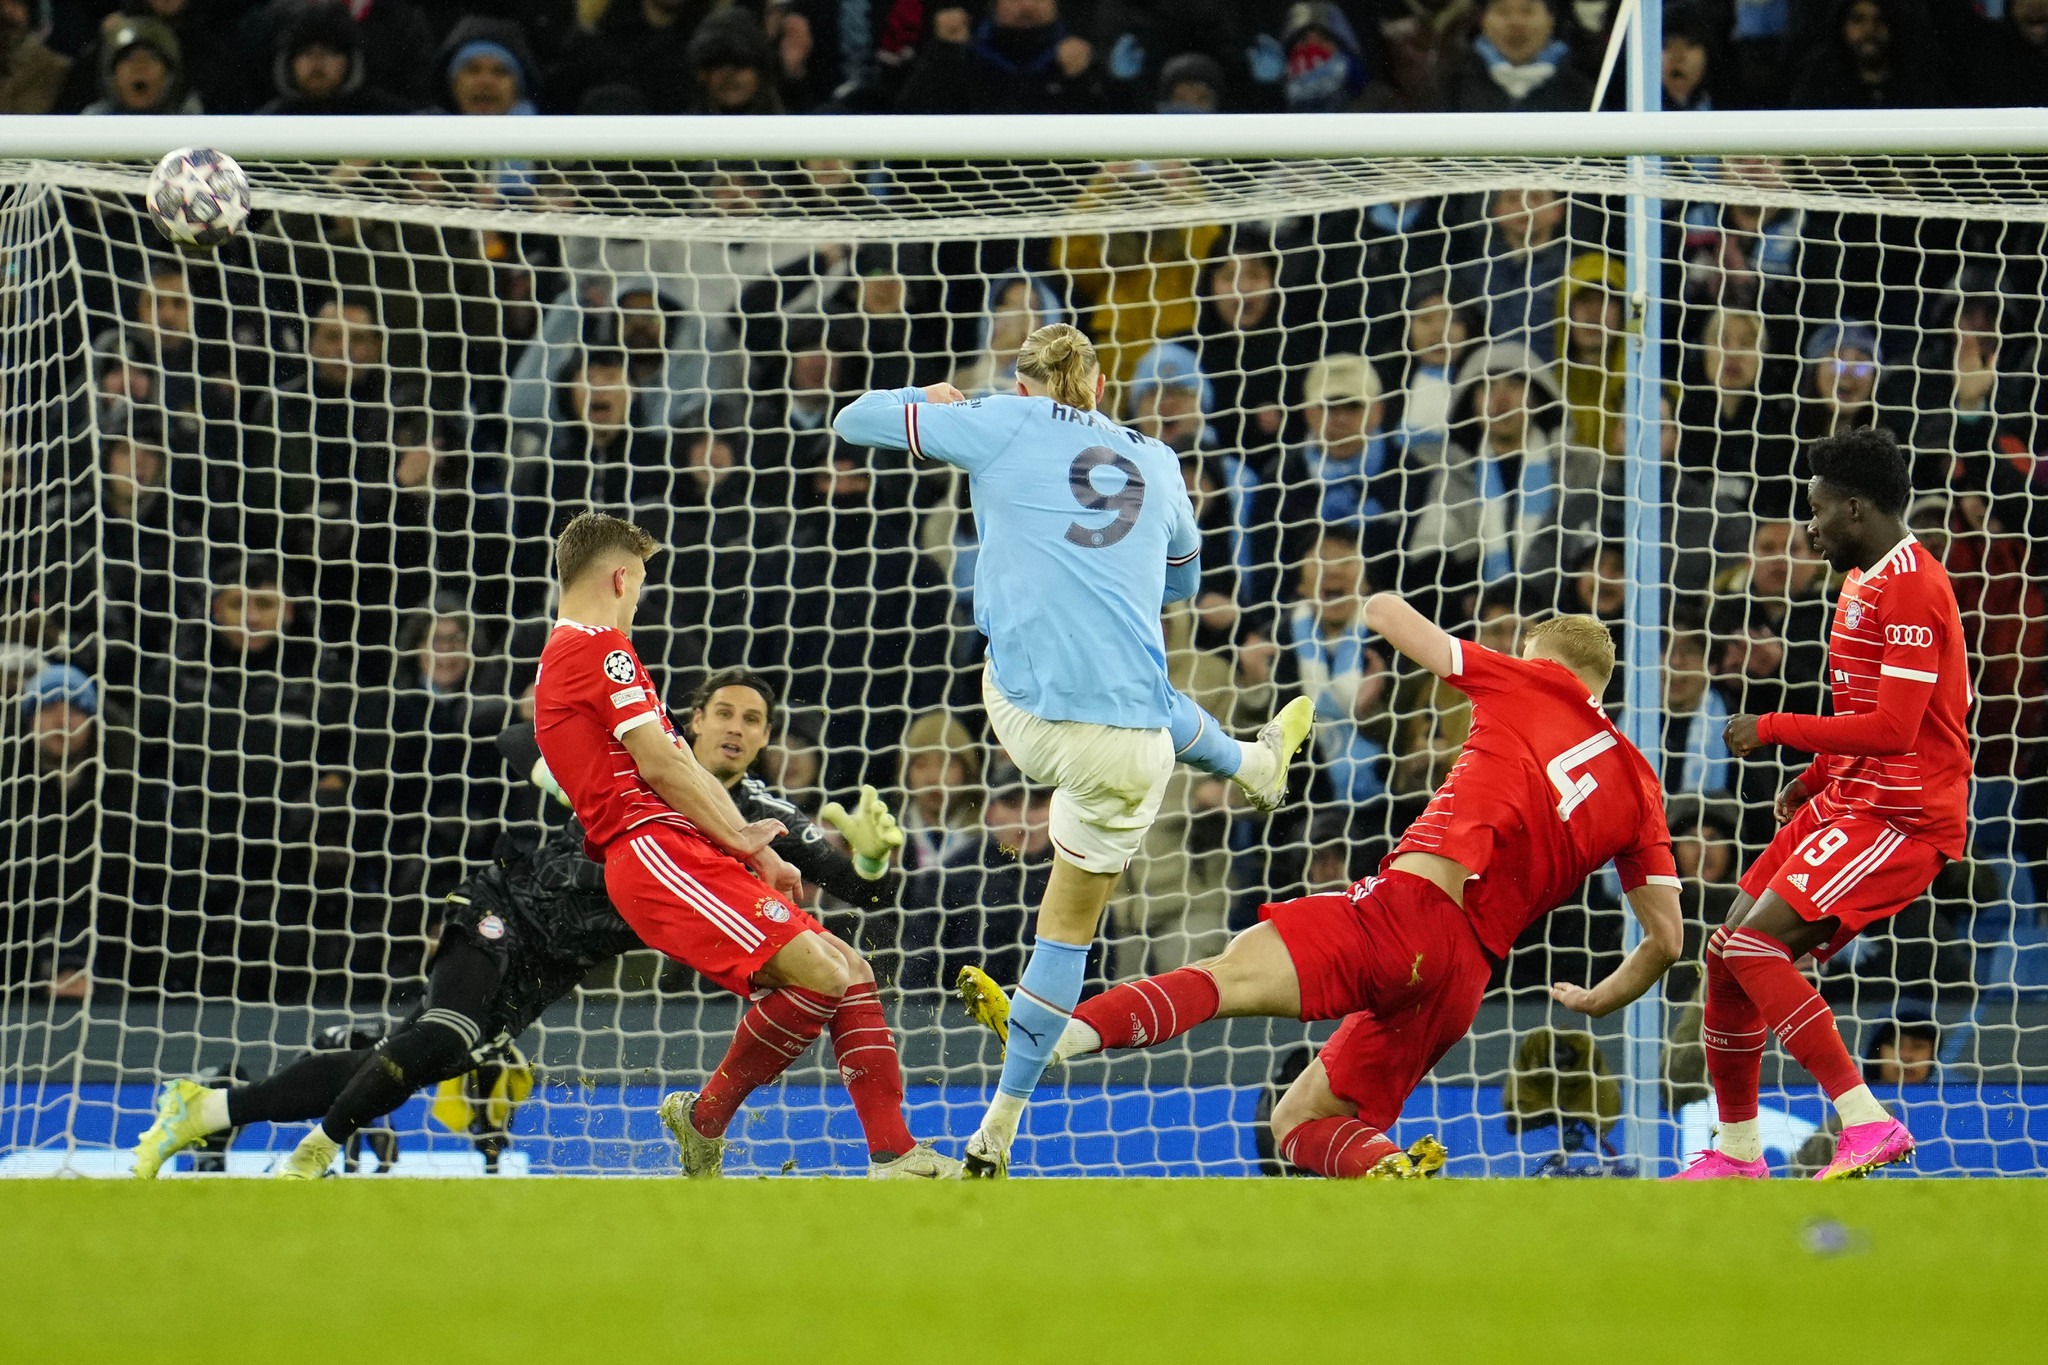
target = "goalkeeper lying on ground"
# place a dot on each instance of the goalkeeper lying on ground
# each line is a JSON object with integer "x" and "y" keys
{"x": 515, "y": 938}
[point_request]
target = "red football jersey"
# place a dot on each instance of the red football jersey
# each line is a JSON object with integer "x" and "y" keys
{"x": 1896, "y": 629}
{"x": 591, "y": 691}
{"x": 1546, "y": 793}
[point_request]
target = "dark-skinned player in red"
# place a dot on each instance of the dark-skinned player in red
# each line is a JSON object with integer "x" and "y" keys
{"x": 1865, "y": 828}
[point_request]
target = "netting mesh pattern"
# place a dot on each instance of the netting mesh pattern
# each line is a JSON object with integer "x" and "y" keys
{"x": 275, "y": 580}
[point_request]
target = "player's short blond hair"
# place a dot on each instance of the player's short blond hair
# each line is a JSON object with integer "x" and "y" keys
{"x": 1580, "y": 643}
{"x": 593, "y": 538}
{"x": 1060, "y": 356}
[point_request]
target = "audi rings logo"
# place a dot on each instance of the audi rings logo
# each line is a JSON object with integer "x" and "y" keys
{"x": 1910, "y": 637}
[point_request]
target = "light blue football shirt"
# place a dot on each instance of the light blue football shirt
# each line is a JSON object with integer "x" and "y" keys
{"x": 1083, "y": 526}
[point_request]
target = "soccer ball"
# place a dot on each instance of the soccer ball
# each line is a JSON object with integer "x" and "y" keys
{"x": 198, "y": 197}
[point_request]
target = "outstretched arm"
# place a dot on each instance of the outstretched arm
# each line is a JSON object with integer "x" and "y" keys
{"x": 1389, "y": 616}
{"x": 679, "y": 779}
{"x": 1655, "y": 904}
{"x": 1891, "y": 727}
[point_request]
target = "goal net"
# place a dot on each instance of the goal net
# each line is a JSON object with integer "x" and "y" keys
{"x": 274, "y": 579}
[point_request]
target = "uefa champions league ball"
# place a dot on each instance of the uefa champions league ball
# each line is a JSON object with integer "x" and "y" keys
{"x": 198, "y": 197}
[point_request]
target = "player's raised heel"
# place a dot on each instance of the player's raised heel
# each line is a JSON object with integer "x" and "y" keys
{"x": 984, "y": 1001}
{"x": 703, "y": 1157}
{"x": 984, "y": 1160}
{"x": 1712, "y": 1165}
{"x": 1867, "y": 1147}
{"x": 176, "y": 1128}
{"x": 1283, "y": 737}
{"x": 309, "y": 1160}
{"x": 921, "y": 1162}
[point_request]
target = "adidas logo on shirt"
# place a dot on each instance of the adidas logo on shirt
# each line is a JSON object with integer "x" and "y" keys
{"x": 1798, "y": 879}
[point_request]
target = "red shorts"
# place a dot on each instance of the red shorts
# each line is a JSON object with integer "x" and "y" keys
{"x": 1401, "y": 967}
{"x": 692, "y": 901}
{"x": 1852, "y": 868}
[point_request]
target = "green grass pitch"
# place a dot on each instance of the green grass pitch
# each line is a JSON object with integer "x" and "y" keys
{"x": 448, "y": 1272}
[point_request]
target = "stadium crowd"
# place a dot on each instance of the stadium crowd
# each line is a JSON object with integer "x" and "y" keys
{"x": 1006, "y": 56}
{"x": 296, "y": 576}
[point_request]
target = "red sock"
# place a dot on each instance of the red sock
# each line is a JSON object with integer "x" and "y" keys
{"x": 1142, "y": 1013}
{"x": 771, "y": 1035}
{"x": 1342, "y": 1149}
{"x": 1733, "y": 1032}
{"x": 868, "y": 1065}
{"x": 1802, "y": 1020}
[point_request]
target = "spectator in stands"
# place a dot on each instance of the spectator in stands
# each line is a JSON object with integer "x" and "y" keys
{"x": 1902, "y": 1051}
{"x": 1171, "y": 56}
{"x": 1786, "y": 581}
{"x": 31, "y": 75}
{"x": 1136, "y": 287}
{"x": 596, "y": 455}
{"x": 1744, "y": 256}
{"x": 984, "y": 891}
{"x": 1017, "y": 306}
{"x": 641, "y": 44}
{"x": 1169, "y": 398}
{"x": 2014, "y": 53}
{"x": 1514, "y": 268}
{"x": 396, "y": 40}
{"x": 1345, "y": 275}
{"x": 1347, "y": 475}
{"x": 1696, "y": 757}
{"x": 840, "y": 58}
{"x": 142, "y": 71}
{"x": 1735, "y": 444}
{"x": 487, "y": 68}
{"x": 1873, "y": 54}
{"x": 1241, "y": 345}
{"x": 1688, "y": 61}
{"x": 1973, "y": 388}
{"x": 1329, "y": 655}
{"x": 1838, "y": 386}
{"x": 662, "y": 344}
{"x": 1513, "y": 498}
{"x": 150, "y": 555}
{"x": 1420, "y": 404}
{"x": 1592, "y": 346}
{"x": 880, "y": 329}
{"x": 1021, "y": 59}
{"x": 213, "y": 68}
{"x": 732, "y": 67}
{"x": 349, "y": 395}
{"x": 1517, "y": 61}
{"x": 940, "y": 779}
{"x": 319, "y": 67}
{"x": 1328, "y": 69}
{"x": 446, "y": 707}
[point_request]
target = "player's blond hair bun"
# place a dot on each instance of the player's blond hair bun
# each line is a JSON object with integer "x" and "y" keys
{"x": 1060, "y": 357}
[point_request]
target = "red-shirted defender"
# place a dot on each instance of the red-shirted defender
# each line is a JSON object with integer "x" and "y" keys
{"x": 1866, "y": 826}
{"x": 693, "y": 880}
{"x": 1546, "y": 793}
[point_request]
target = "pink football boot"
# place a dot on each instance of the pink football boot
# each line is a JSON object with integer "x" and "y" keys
{"x": 1865, "y": 1147}
{"x": 1712, "y": 1165}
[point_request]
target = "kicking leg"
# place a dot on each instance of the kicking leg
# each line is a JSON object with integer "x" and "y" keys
{"x": 187, "y": 1113}
{"x": 1259, "y": 768}
{"x": 1252, "y": 976}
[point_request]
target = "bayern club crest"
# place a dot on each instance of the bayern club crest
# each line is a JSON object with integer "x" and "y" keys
{"x": 773, "y": 909}
{"x": 490, "y": 926}
{"x": 1852, "y": 614}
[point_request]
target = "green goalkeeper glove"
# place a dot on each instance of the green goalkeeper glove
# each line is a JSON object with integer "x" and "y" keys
{"x": 870, "y": 831}
{"x": 545, "y": 780}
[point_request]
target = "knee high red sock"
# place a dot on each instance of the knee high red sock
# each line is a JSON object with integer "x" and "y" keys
{"x": 1339, "y": 1148}
{"x": 869, "y": 1066}
{"x": 1733, "y": 1033}
{"x": 771, "y": 1035}
{"x": 1802, "y": 1020}
{"x": 1142, "y": 1013}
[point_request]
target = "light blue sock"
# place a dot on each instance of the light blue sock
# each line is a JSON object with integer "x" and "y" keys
{"x": 1045, "y": 996}
{"x": 1200, "y": 741}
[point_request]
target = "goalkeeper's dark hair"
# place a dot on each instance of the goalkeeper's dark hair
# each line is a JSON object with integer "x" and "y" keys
{"x": 1865, "y": 463}
{"x": 701, "y": 695}
{"x": 594, "y": 537}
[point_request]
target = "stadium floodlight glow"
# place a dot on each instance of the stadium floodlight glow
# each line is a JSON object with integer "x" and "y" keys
{"x": 380, "y": 393}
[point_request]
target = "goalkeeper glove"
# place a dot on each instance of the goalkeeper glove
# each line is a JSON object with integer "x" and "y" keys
{"x": 544, "y": 779}
{"x": 870, "y": 831}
